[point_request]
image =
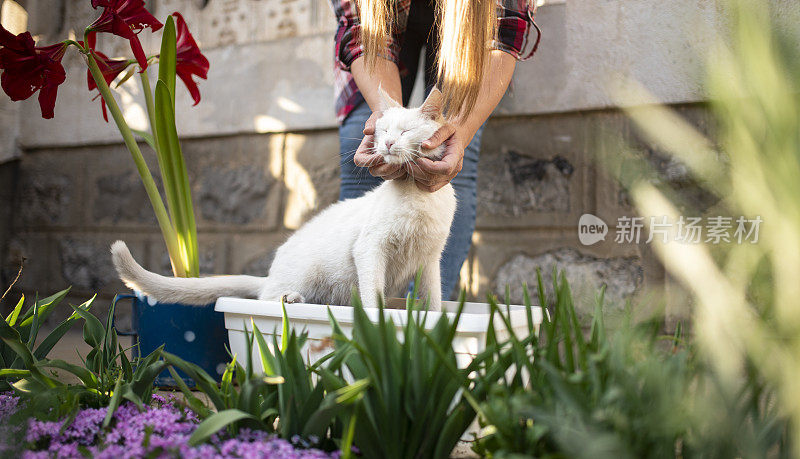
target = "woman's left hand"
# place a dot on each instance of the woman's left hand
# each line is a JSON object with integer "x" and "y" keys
{"x": 432, "y": 175}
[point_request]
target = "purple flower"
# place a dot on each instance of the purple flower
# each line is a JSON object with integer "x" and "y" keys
{"x": 166, "y": 426}
{"x": 8, "y": 406}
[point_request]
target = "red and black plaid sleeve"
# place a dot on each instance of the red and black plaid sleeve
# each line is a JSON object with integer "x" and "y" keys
{"x": 348, "y": 33}
{"x": 514, "y": 24}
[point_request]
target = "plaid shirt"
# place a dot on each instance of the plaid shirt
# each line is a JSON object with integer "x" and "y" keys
{"x": 514, "y": 20}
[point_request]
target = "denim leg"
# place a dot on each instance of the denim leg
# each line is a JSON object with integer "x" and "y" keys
{"x": 460, "y": 239}
{"x": 355, "y": 181}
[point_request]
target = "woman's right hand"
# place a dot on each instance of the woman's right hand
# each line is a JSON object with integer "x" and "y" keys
{"x": 367, "y": 157}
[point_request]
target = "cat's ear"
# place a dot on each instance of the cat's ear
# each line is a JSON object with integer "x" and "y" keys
{"x": 433, "y": 105}
{"x": 386, "y": 100}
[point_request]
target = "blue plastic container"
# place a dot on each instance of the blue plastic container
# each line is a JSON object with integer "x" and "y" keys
{"x": 196, "y": 334}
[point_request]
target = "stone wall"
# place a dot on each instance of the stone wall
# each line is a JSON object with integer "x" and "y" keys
{"x": 261, "y": 147}
{"x": 537, "y": 176}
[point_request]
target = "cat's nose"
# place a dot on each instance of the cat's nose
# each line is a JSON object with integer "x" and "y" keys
{"x": 389, "y": 144}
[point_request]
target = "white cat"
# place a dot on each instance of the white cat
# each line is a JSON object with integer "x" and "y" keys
{"x": 376, "y": 242}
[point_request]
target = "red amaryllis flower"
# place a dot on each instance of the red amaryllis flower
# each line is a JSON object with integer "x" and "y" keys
{"x": 111, "y": 68}
{"x": 28, "y": 68}
{"x": 190, "y": 61}
{"x": 124, "y": 18}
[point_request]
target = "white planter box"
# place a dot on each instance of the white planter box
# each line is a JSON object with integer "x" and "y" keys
{"x": 469, "y": 341}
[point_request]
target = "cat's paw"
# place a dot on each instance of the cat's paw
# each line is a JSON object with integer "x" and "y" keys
{"x": 293, "y": 297}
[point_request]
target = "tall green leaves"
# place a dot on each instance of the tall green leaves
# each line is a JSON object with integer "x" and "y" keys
{"x": 170, "y": 159}
{"x": 630, "y": 393}
{"x": 106, "y": 376}
{"x": 417, "y": 403}
{"x": 19, "y": 332}
{"x": 287, "y": 398}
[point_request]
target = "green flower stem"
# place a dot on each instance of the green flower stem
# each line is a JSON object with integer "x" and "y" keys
{"x": 167, "y": 229}
{"x": 148, "y": 99}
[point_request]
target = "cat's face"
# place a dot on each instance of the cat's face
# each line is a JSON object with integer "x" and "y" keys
{"x": 400, "y": 131}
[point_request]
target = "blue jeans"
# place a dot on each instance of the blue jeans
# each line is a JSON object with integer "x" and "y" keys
{"x": 355, "y": 181}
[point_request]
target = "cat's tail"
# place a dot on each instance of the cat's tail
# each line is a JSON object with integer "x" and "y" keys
{"x": 194, "y": 291}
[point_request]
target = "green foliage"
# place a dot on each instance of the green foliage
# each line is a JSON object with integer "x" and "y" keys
{"x": 288, "y": 398}
{"x": 418, "y": 403}
{"x": 19, "y": 352}
{"x": 105, "y": 379}
{"x": 634, "y": 394}
{"x": 170, "y": 157}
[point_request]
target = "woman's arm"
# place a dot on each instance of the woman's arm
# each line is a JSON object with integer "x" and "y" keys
{"x": 386, "y": 76}
{"x": 456, "y": 135}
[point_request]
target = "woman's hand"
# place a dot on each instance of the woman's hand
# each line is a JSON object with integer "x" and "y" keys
{"x": 366, "y": 157}
{"x": 432, "y": 175}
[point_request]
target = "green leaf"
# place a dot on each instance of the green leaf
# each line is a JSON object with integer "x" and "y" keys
{"x": 87, "y": 377}
{"x": 127, "y": 369}
{"x": 15, "y": 373}
{"x": 34, "y": 329}
{"x": 45, "y": 308}
{"x": 131, "y": 72}
{"x": 13, "y": 340}
{"x": 215, "y": 422}
{"x": 267, "y": 359}
{"x": 285, "y": 325}
{"x": 147, "y": 137}
{"x": 12, "y": 318}
{"x": 194, "y": 403}
{"x": 203, "y": 381}
{"x": 55, "y": 336}
{"x": 175, "y": 178}
{"x": 93, "y": 330}
{"x": 347, "y": 440}
{"x": 29, "y": 385}
{"x": 333, "y": 404}
{"x": 113, "y": 404}
{"x": 171, "y": 163}
{"x": 167, "y": 59}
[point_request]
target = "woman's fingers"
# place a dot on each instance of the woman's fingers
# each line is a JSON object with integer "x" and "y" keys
{"x": 442, "y": 134}
{"x": 399, "y": 174}
{"x": 364, "y": 156}
{"x": 449, "y": 165}
{"x": 385, "y": 171}
{"x": 369, "y": 125}
{"x": 417, "y": 172}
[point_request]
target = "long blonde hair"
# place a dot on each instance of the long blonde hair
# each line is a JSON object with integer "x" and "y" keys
{"x": 466, "y": 30}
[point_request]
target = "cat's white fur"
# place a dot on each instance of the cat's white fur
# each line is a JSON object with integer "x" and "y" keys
{"x": 376, "y": 242}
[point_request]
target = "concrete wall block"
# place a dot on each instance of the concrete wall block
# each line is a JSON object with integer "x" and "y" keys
{"x": 616, "y": 137}
{"x": 9, "y": 129}
{"x": 501, "y": 258}
{"x": 252, "y": 254}
{"x": 52, "y": 190}
{"x": 609, "y": 134}
{"x": 121, "y": 199}
{"x": 311, "y": 171}
{"x": 586, "y": 274}
{"x": 36, "y": 254}
{"x": 85, "y": 261}
{"x": 116, "y": 198}
{"x": 234, "y": 181}
{"x": 533, "y": 172}
{"x": 55, "y": 261}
